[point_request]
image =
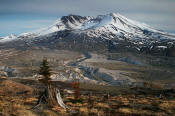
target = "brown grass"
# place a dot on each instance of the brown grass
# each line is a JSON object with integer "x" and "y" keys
{"x": 121, "y": 104}
{"x": 11, "y": 87}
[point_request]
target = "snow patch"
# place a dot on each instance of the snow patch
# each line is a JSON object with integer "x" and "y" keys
{"x": 8, "y": 38}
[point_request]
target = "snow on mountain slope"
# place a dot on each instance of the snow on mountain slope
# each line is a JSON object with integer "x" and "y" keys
{"x": 56, "y": 26}
{"x": 8, "y": 38}
{"x": 116, "y": 20}
{"x": 105, "y": 26}
{"x": 117, "y": 24}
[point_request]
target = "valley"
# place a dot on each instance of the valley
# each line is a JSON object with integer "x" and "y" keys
{"x": 109, "y": 69}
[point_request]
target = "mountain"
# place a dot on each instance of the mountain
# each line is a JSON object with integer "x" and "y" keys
{"x": 8, "y": 38}
{"x": 111, "y": 32}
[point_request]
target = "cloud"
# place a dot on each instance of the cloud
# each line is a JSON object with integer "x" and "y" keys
{"x": 86, "y": 7}
{"x": 157, "y": 13}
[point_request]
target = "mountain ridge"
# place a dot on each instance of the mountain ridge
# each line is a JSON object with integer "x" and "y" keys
{"x": 86, "y": 22}
{"x": 110, "y": 31}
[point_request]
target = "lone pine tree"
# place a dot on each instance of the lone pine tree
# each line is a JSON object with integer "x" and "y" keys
{"x": 45, "y": 72}
{"x": 51, "y": 96}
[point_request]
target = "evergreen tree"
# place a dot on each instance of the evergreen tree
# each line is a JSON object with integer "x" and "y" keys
{"x": 45, "y": 72}
{"x": 51, "y": 95}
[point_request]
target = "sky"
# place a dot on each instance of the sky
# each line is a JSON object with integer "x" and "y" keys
{"x": 19, "y": 16}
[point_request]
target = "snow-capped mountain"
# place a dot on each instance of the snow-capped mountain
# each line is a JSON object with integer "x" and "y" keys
{"x": 109, "y": 30}
{"x": 11, "y": 37}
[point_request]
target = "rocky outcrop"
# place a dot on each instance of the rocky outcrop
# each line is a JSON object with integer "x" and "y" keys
{"x": 7, "y": 71}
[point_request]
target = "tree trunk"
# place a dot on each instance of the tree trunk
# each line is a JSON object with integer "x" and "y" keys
{"x": 59, "y": 99}
{"x": 52, "y": 97}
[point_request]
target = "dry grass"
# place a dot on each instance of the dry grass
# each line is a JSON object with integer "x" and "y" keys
{"x": 121, "y": 104}
{"x": 11, "y": 87}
